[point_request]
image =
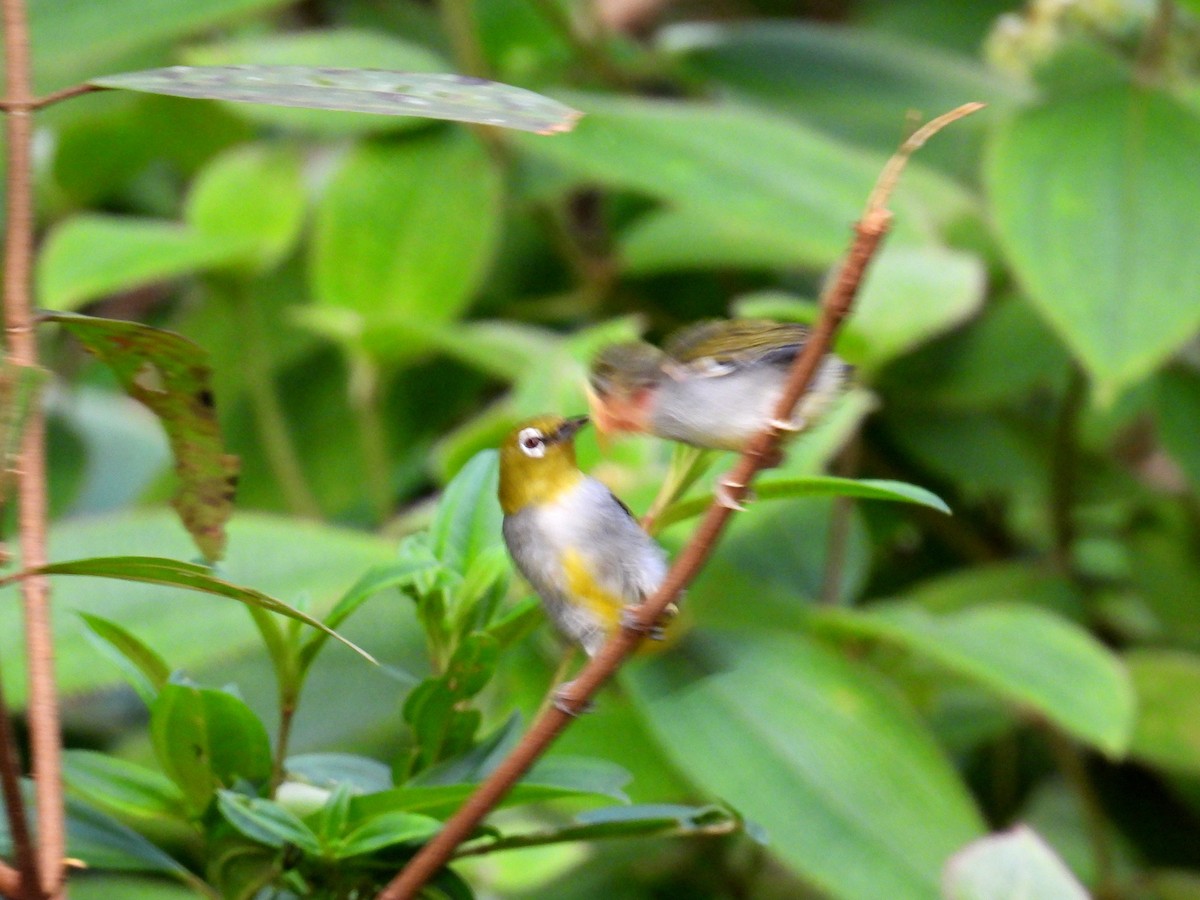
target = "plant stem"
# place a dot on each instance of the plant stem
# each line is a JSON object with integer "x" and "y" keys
{"x": 458, "y": 20}
{"x": 283, "y": 737}
{"x": 22, "y": 881}
{"x": 839, "y": 529}
{"x": 45, "y": 741}
{"x": 563, "y": 835}
{"x": 1071, "y": 764}
{"x": 268, "y": 412}
{"x": 1062, "y": 472}
{"x": 593, "y": 55}
{"x": 835, "y": 306}
{"x": 364, "y": 398}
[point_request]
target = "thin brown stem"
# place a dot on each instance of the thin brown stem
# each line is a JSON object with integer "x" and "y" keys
{"x": 22, "y": 881}
{"x": 835, "y": 305}
{"x": 458, "y": 19}
{"x": 1072, "y": 765}
{"x": 585, "y": 47}
{"x": 45, "y": 741}
{"x": 11, "y": 104}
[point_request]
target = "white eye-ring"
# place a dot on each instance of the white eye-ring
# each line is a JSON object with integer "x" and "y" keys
{"x": 532, "y": 442}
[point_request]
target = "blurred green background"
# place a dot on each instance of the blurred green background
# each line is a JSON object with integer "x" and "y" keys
{"x": 874, "y": 685}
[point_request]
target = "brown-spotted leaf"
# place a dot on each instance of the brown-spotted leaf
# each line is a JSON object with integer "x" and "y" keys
{"x": 170, "y": 374}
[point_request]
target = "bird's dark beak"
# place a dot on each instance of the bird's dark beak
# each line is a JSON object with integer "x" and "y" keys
{"x": 567, "y": 429}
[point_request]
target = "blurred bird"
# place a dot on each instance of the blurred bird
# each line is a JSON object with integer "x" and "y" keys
{"x": 578, "y": 545}
{"x": 714, "y": 384}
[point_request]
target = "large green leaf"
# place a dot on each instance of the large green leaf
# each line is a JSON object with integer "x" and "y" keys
{"x": 92, "y": 255}
{"x": 852, "y": 792}
{"x": 860, "y": 85}
{"x": 910, "y": 295}
{"x": 1024, "y": 654}
{"x": 1100, "y": 227}
{"x": 206, "y": 739}
{"x": 123, "y": 788}
{"x": 170, "y": 375}
{"x": 325, "y": 47}
{"x": 280, "y": 557}
{"x": 753, "y": 176}
{"x": 74, "y": 40}
{"x": 461, "y": 98}
{"x": 1005, "y": 866}
{"x": 406, "y": 229}
{"x": 252, "y": 194}
{"x": 1167, "y": 683}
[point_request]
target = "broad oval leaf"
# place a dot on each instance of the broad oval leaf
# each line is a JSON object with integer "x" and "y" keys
{"x": 1100, "y": 227}
{"x": 767, "y": 488}
{"x": 754, "y": 176}
{"x": 92, "y": 255}
{"x": 461, "y": 98}
{"x": 1016, "y": 863}
{"x": 253, "y": 194}
{"x": 406, "y": 229}
{"x": 206, "y": 739}
{"x": 1027, "y": 655}
{"x": 853, "y": 793}
{"x": 123, "y": 788}
{"x": 1167, "y": 734}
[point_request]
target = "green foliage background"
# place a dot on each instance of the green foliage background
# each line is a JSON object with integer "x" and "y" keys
{"x": 872, "y": 685}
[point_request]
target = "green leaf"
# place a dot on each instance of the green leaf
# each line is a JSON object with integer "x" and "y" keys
{"x": 467, "y": 522}
{"x": 145, "y": 669}
{"x": 769, "y": 488}
{"x": 1026, "y": 655}
{"x": 193, "y": 577}
{"x": 1167, "y": 733}
{"x": 65, "y": 46}
{"x": 460, "y": 98}
{"x": 443, "y": 721}
{"x": 195, "y": 631}
{"x": 90, "y": 256}
{"x": 910, "y": 295}
{"x": 1015, "y": 863}
{"x": 406, "y": 229}
{"x": 254, "y": 195}
{"x": 205, "y": 739}
{"x": 170, "y": 375}
{"x": 331, "y": 770}
{"x": 1099, "y": 227}
{"x": 266, "y": 822}
{"x": 386, "y": 830}
{"x": 379, "y": 578}
{"x": 324, "y": 47}
{"x": 798, "y": 197}
{"x": 860, "y": 85}
{"x": 1177, "y": 410}
{"x": 123, "y": 788}
{"x": 820, "y": 752}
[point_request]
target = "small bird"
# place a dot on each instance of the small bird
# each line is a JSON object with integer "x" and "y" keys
{"x": 714, "y": 384}
{"x": 580, "y": 547}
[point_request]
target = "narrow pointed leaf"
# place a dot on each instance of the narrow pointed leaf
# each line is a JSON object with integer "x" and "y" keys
{"x": 768, "y": 488}
{"x": 461, "y": 98}
{"x": 170, "y": 375}
{"x": 144, "y": 668}
{"x": 266, "y": 822}
{"x": 176, "y": 573}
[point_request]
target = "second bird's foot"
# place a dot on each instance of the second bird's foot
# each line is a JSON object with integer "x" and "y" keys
{"x": 562, "y": 701}
{"x": 724, "y": 495}
{"x": 657, "y": 631}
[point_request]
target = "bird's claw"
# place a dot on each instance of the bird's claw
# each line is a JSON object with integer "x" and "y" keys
{"x": 562, "y": 701}
{"x": 785, "y": 425}
{"x": 724, "y": 496}
{"x": 656, "y": 631}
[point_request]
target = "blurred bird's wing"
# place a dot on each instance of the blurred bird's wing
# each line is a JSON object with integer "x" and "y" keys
{"x": 720, "y": 346}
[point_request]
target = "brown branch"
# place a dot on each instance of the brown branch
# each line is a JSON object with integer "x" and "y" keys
{"x": 45, "y": 743}
{"x": 22, "y": 881}
{"x": 12, "y": 104}
{"x": 835, "y": 304}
